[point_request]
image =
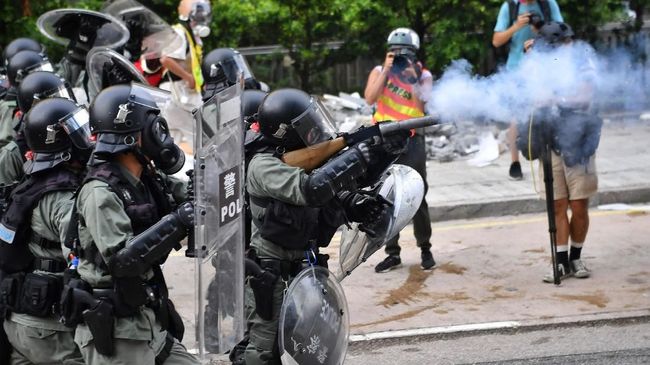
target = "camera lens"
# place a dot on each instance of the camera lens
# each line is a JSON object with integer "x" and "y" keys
{"x": 400, "y": 63}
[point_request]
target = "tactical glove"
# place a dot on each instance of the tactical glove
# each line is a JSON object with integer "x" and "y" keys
{"x": 396, "y": 143}
{"x": 361, "y": 208}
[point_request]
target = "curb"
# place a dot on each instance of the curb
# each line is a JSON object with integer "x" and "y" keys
{"x": 530, "y": 204}
{"x": 506, "y": 327}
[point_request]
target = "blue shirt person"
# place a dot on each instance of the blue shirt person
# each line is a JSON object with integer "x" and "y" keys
{"x": 520, "y": 31}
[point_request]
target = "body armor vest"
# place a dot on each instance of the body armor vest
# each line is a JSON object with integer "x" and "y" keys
{"x": 144, "y": 208}
{"x": 15, "y": 227}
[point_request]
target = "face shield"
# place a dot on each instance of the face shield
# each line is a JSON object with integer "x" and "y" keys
{"x": 315, "y": 125}
{"x": 200, "y": 17}
{"x": 233, "y": 68}
{"x": 76, "y": 125}
{"x": 143, "y": 92}
{"x": 43, "y": 66}
{"x": 63, "y": 91}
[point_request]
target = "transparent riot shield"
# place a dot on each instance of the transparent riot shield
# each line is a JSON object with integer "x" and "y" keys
{"x": 80, "y": 30}
{"x": 403, "y": 187}
{"x": 219, "y": 231}
{"x": 150, "y": 34}
{"x": 314, "y": 320}
{"x": 105, "y": 67}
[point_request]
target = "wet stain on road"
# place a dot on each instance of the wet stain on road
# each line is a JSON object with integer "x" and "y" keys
{"x": 535, "y": 250}
{"x": 637, "y": 213}
{"x": 451, "y": 268}
{"x": 409, "y": 290}
{"x": 397, "y": 317}
{"x": 597, "y": 299}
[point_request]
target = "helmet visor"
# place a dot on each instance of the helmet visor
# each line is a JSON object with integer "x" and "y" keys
{"x": 63, "y": 91}
{"x": 43, "y": 66}
{"x": 76, "y": 125}
{"x": 234, "y": 67}
{"x": 315, "y": 125}
{"x": 144, "y": 92}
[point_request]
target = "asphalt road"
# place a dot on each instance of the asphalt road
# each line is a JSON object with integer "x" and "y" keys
{"x": 610, "y": 342}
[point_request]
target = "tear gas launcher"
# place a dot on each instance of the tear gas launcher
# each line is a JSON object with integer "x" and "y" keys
{"x": 312, "y": 157}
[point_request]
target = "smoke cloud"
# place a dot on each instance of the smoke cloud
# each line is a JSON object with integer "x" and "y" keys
{"x": 570, "y": 75}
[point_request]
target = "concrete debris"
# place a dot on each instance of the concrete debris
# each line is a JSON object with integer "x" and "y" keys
{"x": 444, "y": 142}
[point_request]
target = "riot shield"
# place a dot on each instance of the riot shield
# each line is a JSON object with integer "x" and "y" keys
{"x": 314, "y": 320}
{"x": 219, "y": 231}
{"x": 80, "y": 30}
{"x": 150, "y": 34}
{"x": 403, "y": 187}
{"x": 105, "y": 67}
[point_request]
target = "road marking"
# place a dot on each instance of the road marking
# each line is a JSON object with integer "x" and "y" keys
{"x": 434, "y": 331}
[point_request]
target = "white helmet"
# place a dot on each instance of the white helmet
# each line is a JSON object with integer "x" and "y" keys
{"x": 404, "y": 37}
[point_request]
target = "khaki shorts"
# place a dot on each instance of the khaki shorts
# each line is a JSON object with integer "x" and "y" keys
{"x": 575, "y": 183}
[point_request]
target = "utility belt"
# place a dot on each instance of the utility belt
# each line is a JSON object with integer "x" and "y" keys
{"x": 263, "y": 274}
{"x": 35, "y": 294}
{"x": 97, "y": 307}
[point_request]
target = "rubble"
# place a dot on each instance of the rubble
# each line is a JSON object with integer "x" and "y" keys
{"x": 444, "y": 142}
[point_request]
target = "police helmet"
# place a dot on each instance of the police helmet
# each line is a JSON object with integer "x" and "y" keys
{"x": 121, "y": 115}
{"x": 56, "y": 130}
{"x": 404, "y": 38}
{"x": 41, "y": 85}
{"x": 553, "y": 34}
{"x": 25, "y": 62}
{"x": 251, "y": 101}
{"x": 291, "y": 119}
{"x": 20, "y": 44}
{"x": 226, "y": 62}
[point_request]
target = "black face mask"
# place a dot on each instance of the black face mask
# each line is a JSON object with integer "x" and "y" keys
{"x": 159, "y": 146}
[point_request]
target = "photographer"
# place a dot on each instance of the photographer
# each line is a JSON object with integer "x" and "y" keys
{"x": 398, "y": 89}
{"x": 516, "y": 23}
{"x": 575, "y": 128}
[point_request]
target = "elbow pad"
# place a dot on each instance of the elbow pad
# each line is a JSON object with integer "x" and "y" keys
{"x": 335, "y": 175}
{"x": 151, "y": 246}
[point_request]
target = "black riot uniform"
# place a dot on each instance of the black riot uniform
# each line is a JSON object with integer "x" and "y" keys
{"x": 36, "y": 220}
{"x": 295, "y": 212}
{"x": 129, "y": 220}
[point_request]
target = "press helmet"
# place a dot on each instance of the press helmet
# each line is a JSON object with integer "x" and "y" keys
{"x": 404, "y": 37}
{"x": 121, "y": 115}
{"x": 25, "y": 62}
{"x": 292, "y": 119}
{"x": 41, "y": 85}
{"x": 17, "y": 45}
{"x": 56, "y": 130}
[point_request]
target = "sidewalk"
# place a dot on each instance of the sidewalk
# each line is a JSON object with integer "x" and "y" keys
{"x": 458, "y": 190}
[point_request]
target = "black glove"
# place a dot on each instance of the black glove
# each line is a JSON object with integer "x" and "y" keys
{"x": 366, "y": 153}
{"x": 396, "y": 143}
{"x": 361, "y": 208}
{"x": 190, "y": 185}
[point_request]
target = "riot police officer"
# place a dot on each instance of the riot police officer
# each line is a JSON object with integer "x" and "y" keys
{"x": 38, "y": 85}
{"x": 33, "y": 229}
{"x": 222, "y": 67}
{"x": 8, "y": 102}
{"x": 295, "y": 212}
{"x": 120, "y": 205}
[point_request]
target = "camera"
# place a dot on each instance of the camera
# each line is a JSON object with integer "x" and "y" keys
{"x": 403, "y": 58}
{"x": 536, "y": 20}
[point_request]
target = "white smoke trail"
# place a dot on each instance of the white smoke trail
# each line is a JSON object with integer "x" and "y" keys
{"x": 543, "y": 79}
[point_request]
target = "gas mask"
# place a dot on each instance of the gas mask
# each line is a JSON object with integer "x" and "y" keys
{"x": 159, "y": 146}
{"x": 200, "y": 17}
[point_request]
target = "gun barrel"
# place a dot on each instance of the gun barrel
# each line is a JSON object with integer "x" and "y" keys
{"x": 407, "y": 124}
